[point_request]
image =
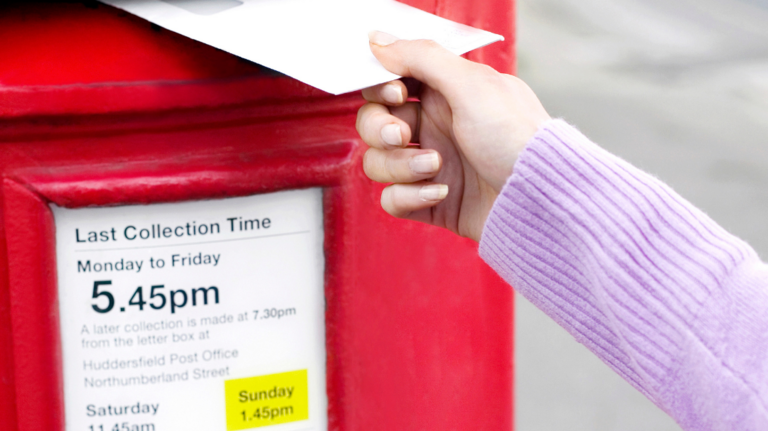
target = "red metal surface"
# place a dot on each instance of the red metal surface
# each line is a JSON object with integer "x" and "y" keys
{"x": 97, "y": 108}
{"x": 64, "y": 58}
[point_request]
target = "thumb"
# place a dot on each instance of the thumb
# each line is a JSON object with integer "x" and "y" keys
{"x": 424, "y": 60}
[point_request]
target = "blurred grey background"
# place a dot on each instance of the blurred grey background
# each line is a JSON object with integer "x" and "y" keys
{"x": 680, "y": 89}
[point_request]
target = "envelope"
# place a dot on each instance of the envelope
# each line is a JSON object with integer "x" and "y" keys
{"x": 323, "y": 43}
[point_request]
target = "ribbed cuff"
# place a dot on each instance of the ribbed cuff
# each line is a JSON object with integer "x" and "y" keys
{"x": 611, "y": 253}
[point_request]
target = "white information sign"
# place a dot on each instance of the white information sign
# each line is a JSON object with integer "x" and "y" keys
{"x": 194, "y": 316}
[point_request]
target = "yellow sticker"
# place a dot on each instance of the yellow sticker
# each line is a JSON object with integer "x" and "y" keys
{"x": 266, "y": 400}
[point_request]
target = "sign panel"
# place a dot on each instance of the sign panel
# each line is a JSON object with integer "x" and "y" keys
{"x": 193, "y": 316}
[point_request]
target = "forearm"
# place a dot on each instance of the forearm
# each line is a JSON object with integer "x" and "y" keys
{"x": 662, "y": 294}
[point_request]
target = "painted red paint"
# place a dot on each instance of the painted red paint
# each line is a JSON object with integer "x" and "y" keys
{"x": 99, "y": 108}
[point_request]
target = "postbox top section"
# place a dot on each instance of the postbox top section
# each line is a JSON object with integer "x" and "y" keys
{"x": 74, "y": 44}
{"x": 83, "y": 58}
{"x": 87, "y": 58}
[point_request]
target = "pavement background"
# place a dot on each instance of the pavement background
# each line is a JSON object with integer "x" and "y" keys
{"x": 678, "y": 88}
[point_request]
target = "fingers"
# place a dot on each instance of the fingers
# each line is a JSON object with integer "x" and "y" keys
{"x": 380, "y": 129}
{"x": 424, "y": 60}
{"x": 385, "y": 128}
{"x": 391, "y": 93}
{"x": 386, "y": 160}
{"x": 400, "y": 200}
{"x": 401, "y": 165}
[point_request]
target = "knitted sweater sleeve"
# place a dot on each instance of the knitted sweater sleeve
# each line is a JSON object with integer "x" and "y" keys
{"x": 662, "y": 294}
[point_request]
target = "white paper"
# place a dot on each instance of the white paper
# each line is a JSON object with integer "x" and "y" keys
{"x": 323, "y": 43}
{"x": 268, "y": 278}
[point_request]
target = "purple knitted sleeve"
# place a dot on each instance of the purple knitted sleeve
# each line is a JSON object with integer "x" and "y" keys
{"x": 661, "y": 293}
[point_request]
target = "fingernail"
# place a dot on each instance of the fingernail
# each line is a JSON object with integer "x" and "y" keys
{"x": 380, "y": 38}
{"x": 390, "y": 134}
{"x": 392, "y": 93}
{"x": 424, "y": 163}
{"x": 433, "y": 192}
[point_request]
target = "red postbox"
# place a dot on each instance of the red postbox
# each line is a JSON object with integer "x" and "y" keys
{"x": 100, "y": 110}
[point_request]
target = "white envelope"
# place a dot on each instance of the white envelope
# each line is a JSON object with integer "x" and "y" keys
{"x": 323, "y": 43}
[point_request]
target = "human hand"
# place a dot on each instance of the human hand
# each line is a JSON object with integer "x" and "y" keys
{"x": 470, "y": 124}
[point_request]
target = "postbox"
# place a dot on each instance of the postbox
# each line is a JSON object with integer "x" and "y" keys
{"x": 188, "y": 241}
